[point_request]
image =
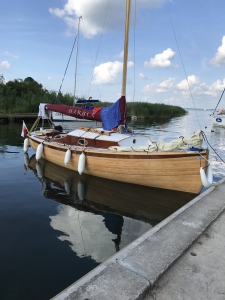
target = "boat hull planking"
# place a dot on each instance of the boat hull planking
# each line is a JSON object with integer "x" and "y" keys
{"x": 168, "y": 170}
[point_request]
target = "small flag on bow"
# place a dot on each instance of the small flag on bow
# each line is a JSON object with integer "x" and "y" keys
{"x": 24, "y": 130}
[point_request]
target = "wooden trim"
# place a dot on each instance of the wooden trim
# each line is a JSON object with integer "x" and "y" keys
{"x": 122, "y": 155}
{"x": 95, "y": 130}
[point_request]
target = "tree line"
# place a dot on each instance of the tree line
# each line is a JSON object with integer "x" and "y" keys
{"x": 24, "y": 96}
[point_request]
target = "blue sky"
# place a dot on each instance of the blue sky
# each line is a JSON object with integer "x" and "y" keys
{"x": 170, "y": 40}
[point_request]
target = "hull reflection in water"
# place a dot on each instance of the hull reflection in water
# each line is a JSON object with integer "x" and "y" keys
{"x": 100, "y": 216}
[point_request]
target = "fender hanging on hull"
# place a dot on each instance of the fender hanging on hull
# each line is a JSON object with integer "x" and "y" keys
{"x": 81, "y": 163}
{"x": 207, "y": 180}
{"x": 39, "y": 151}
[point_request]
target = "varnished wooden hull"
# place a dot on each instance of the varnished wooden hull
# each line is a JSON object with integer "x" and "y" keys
{"x": 178, "y": 171}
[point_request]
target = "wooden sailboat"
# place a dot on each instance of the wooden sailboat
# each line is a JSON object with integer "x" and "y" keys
{"x": 115, "y": 153}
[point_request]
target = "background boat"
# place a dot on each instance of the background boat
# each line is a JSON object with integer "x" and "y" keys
{"x": 59, "y": 117}
{"x": 218, "y": 115}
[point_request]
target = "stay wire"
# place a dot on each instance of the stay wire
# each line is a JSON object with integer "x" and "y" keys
{"x": 91, "y": 58}
{"x": 219, "y": 100}
{"x": 103, "y": 27}
{"x": 185, "y": 73}
{"x": 205, "y": 138}
{"x": 65, "y": 70}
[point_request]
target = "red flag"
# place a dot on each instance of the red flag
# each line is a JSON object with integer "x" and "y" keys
{"x": 24, "y": 130}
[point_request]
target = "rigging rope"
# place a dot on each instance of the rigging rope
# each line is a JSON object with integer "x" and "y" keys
{"x": 91, "y": 61}
{"x": 65, "y": 70}
{"x": 219, "y": 101}
{"x": 205, "y": 138}
{"x": 185, "y": 73}
{"x": 99, "y": 44}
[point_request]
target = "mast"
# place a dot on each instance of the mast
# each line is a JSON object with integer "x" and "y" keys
{"x": 126, "y": 40}
{"x": 75, "y": 83}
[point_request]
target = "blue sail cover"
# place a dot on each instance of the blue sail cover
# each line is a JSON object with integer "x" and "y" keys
{"x": 111, "y": 116}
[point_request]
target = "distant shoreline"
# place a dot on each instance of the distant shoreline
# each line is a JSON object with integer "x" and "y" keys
{"x": 199, "y": 108}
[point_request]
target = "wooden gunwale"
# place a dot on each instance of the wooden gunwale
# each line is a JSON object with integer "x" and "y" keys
{"x": 123, "y": 155}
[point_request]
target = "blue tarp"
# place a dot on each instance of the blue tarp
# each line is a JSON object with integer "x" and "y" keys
{"x": 111, "y": 116}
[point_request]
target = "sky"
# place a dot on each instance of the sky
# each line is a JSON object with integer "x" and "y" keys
{"x": 176, "y": 48}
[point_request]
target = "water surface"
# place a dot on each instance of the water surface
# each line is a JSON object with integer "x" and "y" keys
{"x": 56, "y": 226}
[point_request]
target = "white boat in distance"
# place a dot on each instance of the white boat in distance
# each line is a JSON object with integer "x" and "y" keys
{"x": 219, "y": 118}
{"x": 218, "y": 115}
{"x": 114, "y": 152}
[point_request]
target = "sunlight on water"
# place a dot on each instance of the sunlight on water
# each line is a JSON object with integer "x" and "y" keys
{"x": 187, "y": 125}
{"x": 51, "y": 224}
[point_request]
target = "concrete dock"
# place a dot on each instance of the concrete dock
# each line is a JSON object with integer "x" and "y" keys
{"x": 180, "y": 258}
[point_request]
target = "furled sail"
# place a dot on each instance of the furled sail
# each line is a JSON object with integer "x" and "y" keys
{"x": 195, "y": 140}
{"x": 110, "y": 116}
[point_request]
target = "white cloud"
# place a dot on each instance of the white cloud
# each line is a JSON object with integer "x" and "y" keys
{"x": 120, "y": 55}
{"x": 192, "y": 80}
{"x": 94, "y": 12}
{"x": 143, "y": 76}
{"x": 165, "y": 85}
{"x": 167, "y": 92}
{"x": 172, "y": 100}
{"x": 219, "y": 85}
{"x": 161, "y": 60}
{"x": 106, "y": 73}
{"x": 219, "y": 58}
{"x": 50, "y": 78}
{"x": 4, "y": 65}
{"x": 6, "y": 53}
{"x": 215, "y": 88}
{"x": 149, "y": 88}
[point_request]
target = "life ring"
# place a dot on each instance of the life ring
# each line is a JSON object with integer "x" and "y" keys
{"x": 82, "y": 142}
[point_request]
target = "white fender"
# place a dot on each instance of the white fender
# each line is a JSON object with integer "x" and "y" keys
{"x": 39, "y": 151}
{"x": 67, "y": 186}
{"x": 25, "y": 145}
{"x": 81, "y": 163}
{"x": 80, "y": 190}
{"x": 67, "y": 157}
{"x": 39, "y": 170}
{"x": 207, "y": 180}
{"x": 26, "y": 160}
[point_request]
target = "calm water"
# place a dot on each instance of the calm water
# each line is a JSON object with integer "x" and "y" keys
{"x": 56, "y": 226}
